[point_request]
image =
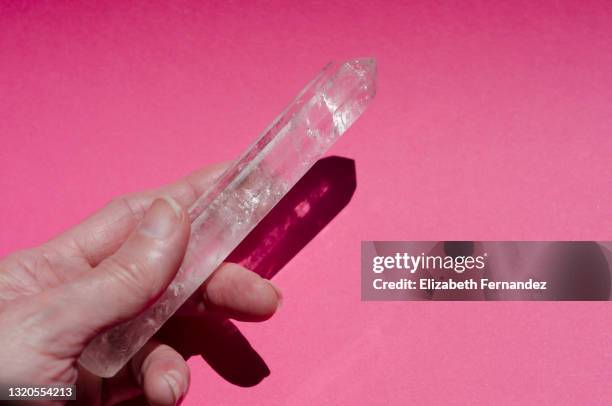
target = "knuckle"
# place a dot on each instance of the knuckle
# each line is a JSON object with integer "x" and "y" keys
{"x": 116, "y": 202}
{"x": 126, "y": 204}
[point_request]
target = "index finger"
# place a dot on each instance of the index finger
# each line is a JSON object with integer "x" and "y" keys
{"x": 101, "y": 234}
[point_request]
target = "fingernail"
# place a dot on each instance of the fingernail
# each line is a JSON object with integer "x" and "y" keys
{"x": 162, "y": 218}
{"x": 174, "y": 205}
{"x": 279, "y": 294}
{"x": 172, "y": 378}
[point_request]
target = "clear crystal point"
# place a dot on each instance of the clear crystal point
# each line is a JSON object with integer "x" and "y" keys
{"x": 223, "y": 216}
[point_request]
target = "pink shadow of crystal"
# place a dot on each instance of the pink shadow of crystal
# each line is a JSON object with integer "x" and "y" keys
{"x": 304, "y": 211}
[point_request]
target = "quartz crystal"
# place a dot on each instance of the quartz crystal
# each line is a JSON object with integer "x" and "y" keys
{"x": 223, "y": 216}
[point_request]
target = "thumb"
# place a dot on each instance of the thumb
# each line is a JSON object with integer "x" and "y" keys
{"x": 124, "y": 284}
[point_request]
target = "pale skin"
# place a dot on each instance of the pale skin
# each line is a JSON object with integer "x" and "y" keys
{"x": 56, "y": 297}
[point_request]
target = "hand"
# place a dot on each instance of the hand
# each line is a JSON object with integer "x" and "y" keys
{"x": 56, "y": 297}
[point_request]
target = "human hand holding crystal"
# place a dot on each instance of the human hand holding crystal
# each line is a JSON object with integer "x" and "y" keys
{"x": 56, "y": 297}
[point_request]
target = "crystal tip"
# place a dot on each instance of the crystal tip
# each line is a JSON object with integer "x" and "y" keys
{"x": 365, "y": 66}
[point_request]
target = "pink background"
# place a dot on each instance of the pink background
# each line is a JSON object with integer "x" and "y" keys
{"x": 492, "y": 121}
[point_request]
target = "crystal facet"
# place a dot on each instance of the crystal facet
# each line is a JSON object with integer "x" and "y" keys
{"x": 223, "y": 216}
